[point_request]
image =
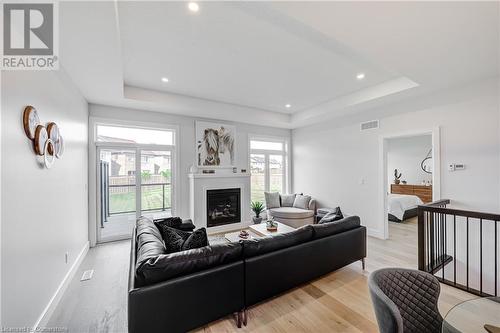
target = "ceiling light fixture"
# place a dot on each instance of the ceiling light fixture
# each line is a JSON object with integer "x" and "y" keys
{"x": 164, "y": 79}
{"x": 360, "y": 76}
{"x": 193, "y": 6}
{"x": 288, "y": 106}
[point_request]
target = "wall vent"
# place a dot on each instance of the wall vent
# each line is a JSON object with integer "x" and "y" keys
{"x": 369, "y": 125}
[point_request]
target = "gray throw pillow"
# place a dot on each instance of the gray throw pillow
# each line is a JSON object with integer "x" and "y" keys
{"x": 287, "y": 200}
{"x": 331, "y": 217}
{"x": 302, "y": 201}
{"x": 272, "y": 199}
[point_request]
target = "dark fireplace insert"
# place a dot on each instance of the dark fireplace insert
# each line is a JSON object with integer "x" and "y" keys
{"x": 223, "y": 206}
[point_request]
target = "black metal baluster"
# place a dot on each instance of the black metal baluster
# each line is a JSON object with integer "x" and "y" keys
{"x": 467, "y": 249}
{"x": 496, "y": 259}
{"x": 454, "y": 249}
{"x": 480, "y": 256}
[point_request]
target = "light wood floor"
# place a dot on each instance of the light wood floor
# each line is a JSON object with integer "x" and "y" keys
{"x": 337, "y": 302}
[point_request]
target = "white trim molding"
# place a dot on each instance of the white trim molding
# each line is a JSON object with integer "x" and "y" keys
{"x": 56, "y": 298}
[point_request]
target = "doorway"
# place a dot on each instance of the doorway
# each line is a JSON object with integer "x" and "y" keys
{"x": 134, "y": 179}
{"x": 410, "y": 176}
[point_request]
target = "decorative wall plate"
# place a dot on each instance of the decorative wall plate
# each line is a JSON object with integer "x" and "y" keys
{"x": 59, "y": 147}
{"x": 41, "y": 137}
{"x": 53, "y": 132}
{"x": 30, "y": 121}
{"x": 48, "y": 157}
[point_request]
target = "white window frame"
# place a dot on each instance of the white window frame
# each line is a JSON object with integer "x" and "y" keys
{"x": 95, "y": 146}
{"x": 286, "y": 159}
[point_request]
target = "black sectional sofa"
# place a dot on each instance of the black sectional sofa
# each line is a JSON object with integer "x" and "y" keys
{"x": 181, "y": 291}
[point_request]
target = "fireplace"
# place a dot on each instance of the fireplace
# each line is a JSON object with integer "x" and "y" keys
{"x": 223, "y": 206}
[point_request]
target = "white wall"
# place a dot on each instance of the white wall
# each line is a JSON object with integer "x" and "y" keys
{"x": 44, "y": 212}
{"x": 339, "y": 165}
{"x": 186, "y": 144}
{"x": 406, "y": 155}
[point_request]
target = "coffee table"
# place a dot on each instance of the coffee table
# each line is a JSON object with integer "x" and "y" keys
{"x": 261, "y": 229}
{"x": 234, "y": 236}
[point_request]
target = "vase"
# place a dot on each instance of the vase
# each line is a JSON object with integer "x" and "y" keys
{"x": 256, "y": 220}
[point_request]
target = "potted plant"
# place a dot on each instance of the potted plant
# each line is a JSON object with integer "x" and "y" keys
{"x": 257, "y": 208}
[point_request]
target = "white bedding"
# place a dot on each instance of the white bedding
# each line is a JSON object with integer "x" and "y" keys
{"x": 399, "y": 203}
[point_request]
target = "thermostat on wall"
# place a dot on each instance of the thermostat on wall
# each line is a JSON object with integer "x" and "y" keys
{"x": 456, "y": 167}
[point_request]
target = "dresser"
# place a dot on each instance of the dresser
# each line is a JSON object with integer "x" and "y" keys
{"x": 421, "y": 191}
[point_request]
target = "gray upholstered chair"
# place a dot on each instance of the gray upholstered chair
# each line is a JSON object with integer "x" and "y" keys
{"x": 405, "y": 300}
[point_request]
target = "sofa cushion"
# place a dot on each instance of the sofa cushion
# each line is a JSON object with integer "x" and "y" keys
{"x": 291, "y": 213}
{"x": 302, "y": 201}
{"x": 258, "y": 246}
{"x": 149, "y": 242}
{"x": 335, "y": 227}
{"x": 287, "y": 200}
{"x": 168, "y": 266}
{"x": 272, "y": 199}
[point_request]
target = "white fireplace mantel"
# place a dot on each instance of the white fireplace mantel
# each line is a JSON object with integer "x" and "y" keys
{"x": 200, "y": 183}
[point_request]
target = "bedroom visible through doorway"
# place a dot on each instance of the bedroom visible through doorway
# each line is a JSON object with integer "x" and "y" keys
{"x": 410, "y": 176}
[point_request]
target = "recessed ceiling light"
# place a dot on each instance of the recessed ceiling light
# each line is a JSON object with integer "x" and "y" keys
{"x": 164, "y": 79}
{"x": 193, "y": 6}
{"x": 288, "y": 106}
{"x": 360, "y": 76}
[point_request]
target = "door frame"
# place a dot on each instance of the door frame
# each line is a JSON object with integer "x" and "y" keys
{"x": 383, "y": 172}
{"x": 94, "y": 188}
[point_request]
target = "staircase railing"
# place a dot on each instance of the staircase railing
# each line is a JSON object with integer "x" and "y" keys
{"x": 459, "y": 247}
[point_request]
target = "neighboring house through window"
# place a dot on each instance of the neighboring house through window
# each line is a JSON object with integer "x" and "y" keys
{"x": 268, "y": 166}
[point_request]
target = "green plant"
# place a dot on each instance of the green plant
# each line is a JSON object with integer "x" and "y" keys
{"x": 146, "y": 175}
{"x": 165, "y": 174}
{"x": 257, "y": 208}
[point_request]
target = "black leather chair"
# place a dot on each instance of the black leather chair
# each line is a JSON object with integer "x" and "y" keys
{"x": 405, "y": 300}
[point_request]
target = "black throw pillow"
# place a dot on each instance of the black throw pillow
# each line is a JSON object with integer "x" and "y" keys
{"x": 173, "y": 222}
{"x": 196, "y": 239}
{"x": 177, "y": 240}
{"x": 173, "y": 238}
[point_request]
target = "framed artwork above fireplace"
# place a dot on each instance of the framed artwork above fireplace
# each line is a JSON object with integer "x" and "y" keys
{"x": 215, "y": 145}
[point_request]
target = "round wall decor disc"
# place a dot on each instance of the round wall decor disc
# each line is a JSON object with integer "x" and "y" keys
{"x": 53, "y": 132}
{"x": 30, "y": 121}
{"x": 41, "y": 137}
{"x": 48, "y": 158}
{"x": 59, "y": 147}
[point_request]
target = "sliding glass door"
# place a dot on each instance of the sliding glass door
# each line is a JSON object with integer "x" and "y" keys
{"x": 156, "y": 183}
{"x": 134, "y": 179}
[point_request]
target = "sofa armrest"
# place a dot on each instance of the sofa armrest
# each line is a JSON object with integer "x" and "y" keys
{"x": 312, "y": 205}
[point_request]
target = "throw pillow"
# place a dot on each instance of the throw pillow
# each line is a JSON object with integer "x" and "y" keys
{"x": 196, "y": 240}
{"x": 302, "y": 201}
{"x": 173, "y": 238}
{"x": 272, "y": 200}
{"x": 332, "y": 216}
{"x": 173, "y": 222}
{"x": 287, "y": 200}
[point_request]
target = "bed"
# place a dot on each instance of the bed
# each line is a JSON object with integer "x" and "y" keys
{"x": 402, "y": 206}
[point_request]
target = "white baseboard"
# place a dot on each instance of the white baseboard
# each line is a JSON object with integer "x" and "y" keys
{"x": 49, "y": 309}
{"x": 375, "y": 233}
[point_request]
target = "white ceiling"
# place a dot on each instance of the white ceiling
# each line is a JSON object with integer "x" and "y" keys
{"x": 245, "y": 61}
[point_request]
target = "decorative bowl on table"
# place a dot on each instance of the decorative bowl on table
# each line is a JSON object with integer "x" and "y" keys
{"x": 244, "y": 234}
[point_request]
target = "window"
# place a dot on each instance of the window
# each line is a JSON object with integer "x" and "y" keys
{"x": 268, "y": 167}
{"x": 134, "y": 135}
